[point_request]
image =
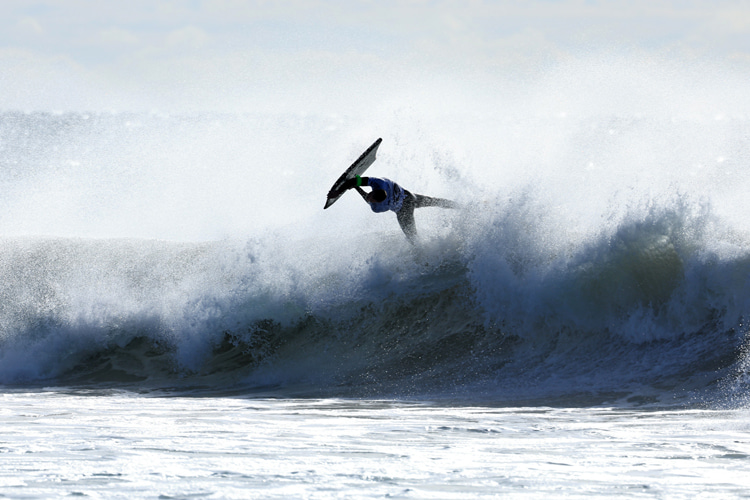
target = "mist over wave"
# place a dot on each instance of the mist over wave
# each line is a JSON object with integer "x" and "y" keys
{"x": 602, "y": 249}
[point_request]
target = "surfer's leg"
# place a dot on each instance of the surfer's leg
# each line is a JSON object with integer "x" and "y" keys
{"x": 428, "y": 201}
{"x": 405, "y": 218}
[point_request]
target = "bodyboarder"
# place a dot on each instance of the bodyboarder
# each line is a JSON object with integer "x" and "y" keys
{"x": 386, "y": 196}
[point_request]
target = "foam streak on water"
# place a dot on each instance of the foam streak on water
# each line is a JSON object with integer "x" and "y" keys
{"x": 121, "y": 445}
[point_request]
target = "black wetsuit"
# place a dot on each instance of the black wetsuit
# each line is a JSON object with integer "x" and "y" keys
{"x": 405, "y": 216}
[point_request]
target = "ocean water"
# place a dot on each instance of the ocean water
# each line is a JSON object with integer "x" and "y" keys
{"x": 181, "y": 319}
{"x": 111, "y": 444}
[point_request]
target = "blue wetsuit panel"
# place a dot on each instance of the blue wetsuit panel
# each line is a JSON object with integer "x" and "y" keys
{"x": 394, "y": 195}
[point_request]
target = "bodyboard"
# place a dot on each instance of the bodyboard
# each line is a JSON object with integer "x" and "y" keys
{"x": 357, "y": 168}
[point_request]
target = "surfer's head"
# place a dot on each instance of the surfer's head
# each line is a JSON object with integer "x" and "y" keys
{"x": 377, "y": 196}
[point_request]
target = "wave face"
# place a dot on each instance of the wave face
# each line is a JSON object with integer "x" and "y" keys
{"x": 598, "y": 256}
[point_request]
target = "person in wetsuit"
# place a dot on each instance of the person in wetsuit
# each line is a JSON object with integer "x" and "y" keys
{"x": 387, "y": 195}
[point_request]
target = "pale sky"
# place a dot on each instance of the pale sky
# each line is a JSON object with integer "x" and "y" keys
{"x": 251, "y": 55}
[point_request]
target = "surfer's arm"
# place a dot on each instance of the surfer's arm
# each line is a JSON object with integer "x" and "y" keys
{"x": 356, "y": 181}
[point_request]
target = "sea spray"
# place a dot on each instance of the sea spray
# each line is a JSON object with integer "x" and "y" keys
{"x": 601, "y": 249}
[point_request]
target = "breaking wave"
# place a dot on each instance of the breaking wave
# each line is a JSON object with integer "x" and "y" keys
{"x": 644, "y": 312}
{"x": 601, "y": 254}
